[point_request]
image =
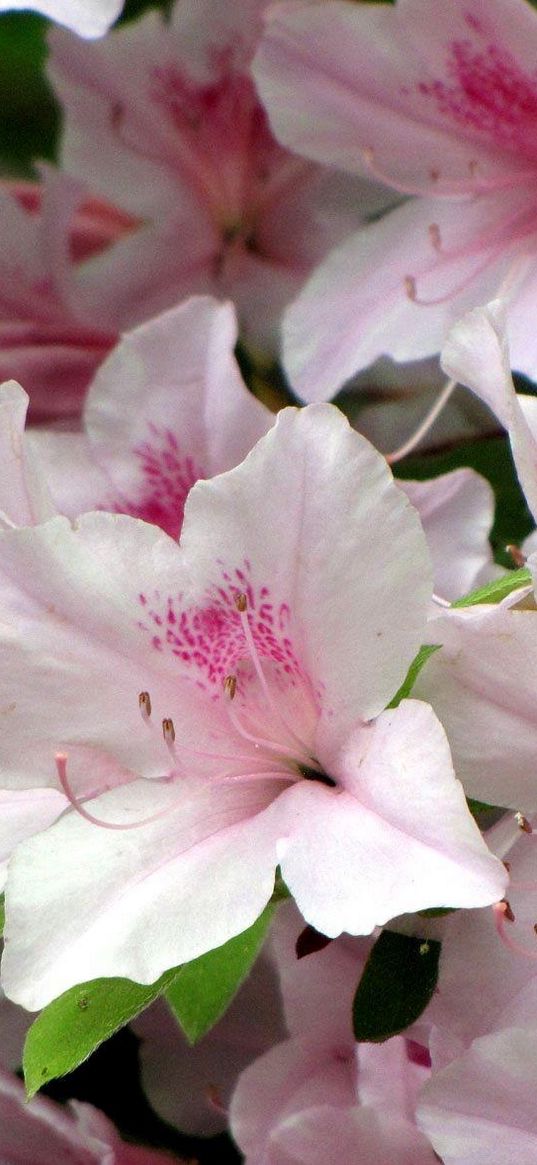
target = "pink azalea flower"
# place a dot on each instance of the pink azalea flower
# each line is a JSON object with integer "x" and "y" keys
{"x": 477, "y": 354}
{"x": 86, "y": 17}
{"x": 439, "y": 101}
{"x": 43, "y": 341}
{"x": 481, "y": 1108}
{"x": 268, "y": 645}
{"x": 167, "y": 407}
{"x": 45, "y": 1133}
{"x": 163, "y": 119}
{"x": 318, "y": 1097}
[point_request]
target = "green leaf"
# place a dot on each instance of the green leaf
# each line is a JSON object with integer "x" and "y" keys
{"x": 397, "y": 983}
{"x": 495, "y": 591}
{"x": 72, "y": 1026}
{"x": 423, "y": 655}
{"x": 204, "y": 988}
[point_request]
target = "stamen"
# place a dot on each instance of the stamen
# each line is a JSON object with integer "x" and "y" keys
{"x": 61, "y": 768}
{"x": 426, "y": 424}
{"x": 449, "y": 186}
{"x": 435, "y": 236}
{"x": 518, "y": 557}
{"x": 215, "y": 1100}
{"x": 230, "y": 686}
{"x": 144, "y": 702}
{"x": 440, "y": 602}
{"x": 168, "y": 732}
{"x": 241, "y": 603}
{"x": 502, "y": 913}
{"x": 523, "y": 823}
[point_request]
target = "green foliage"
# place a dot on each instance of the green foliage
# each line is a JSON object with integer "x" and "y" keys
{"x": 204, "y": 988}
{"x": 397, "y": 983}
{"x": 423, "y": 655}
{"x": 497, "y": 590}
{"x": 74, "y": 1025}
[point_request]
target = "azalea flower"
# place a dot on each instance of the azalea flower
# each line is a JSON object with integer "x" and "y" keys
{"x": 266, "y": 647}
{"x": 318, "y": 1096}
{"x": 45, "y": 231}
{"x": 438, "y": 101}
{"x": 486, "y": 1100}
{"x": 46, "y": 1133}
{"x": 162, "y": 118}
{"x": 86, "y": 17}
{"x": 167, "y": 407}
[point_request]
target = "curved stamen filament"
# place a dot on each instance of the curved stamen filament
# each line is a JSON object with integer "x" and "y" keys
{"x": 426, "y": 424}
{"x": 502, "y": 914}
{"x": 439, "y": 187}
{"x": 61, "y": 768}
{"x": 241, "y": 603}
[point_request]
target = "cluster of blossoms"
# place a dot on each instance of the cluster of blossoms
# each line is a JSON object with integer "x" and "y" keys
{"x": 268, "y": 786}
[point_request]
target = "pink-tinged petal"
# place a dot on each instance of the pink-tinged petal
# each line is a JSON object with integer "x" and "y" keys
{"x": 395, "y": 287}
{"x": 331, "y": 504}
{"x": 45, "y": 1133}
{"x": 160, "y": 895}
{"x": 484, "y": 691}
{"x": 482, "y": 1107}
{"x": 88, "y": 18}
{"x": 169, "y": 406}
{"x": 163, "y": 119}
{"x": 476, "y": 353}
{"x": 24, "y": 497}
{"x": 327, "y": 1136}
{"x": 24, "y": 812}
{"x": 457, "y": 512}
{"x": 297, "y": 1074}
{"x": 417, "y": 93}
{"x": 75, "y": 481}
{"x": 190, "y": 1087}
{"x": 396, "y": 838}
{"x": 317, "y": 990}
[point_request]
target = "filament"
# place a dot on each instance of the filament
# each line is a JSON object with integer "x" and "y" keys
{"x": 61, "y": 768}
{"x": 426, "y": 424}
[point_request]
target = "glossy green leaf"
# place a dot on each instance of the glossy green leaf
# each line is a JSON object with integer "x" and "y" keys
{"x": 72, "y": 1026}
{"x": 204, "y": 988}
{"x": 397, "y": 983}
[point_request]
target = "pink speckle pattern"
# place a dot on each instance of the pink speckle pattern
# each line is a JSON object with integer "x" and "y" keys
{"x": 209, "y": 638}
{"x": 488, "y": 92}
{"x": 168, "y": 476}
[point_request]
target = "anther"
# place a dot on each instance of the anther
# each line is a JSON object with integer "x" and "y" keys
{"x": 507, "y": 866}
{"x": 241, "y": 603}
{"x": 410, "y": 287}
{"x": 523, "y": 823}
{"x": 518, "y": 557}
{"x": 435, "y": 236}
{"x": 230, "y": 686}
{"x": 144, "y": 703}
{"x": 168, "y": 730}
{"x": 507, "y": 910}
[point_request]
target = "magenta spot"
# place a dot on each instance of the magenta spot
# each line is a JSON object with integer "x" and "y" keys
{"x": 210, "y": 638}
{"x": 168, "y": 477}
{"x": 489, "y": 93}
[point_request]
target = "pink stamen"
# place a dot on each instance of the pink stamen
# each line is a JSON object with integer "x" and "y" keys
{"x": 241, "y": 604}
{"x": 440, "y": 187}
{"x": 61, "y": 768}
{"x": 144, "y": 703}
{"x": 426, "y": 424}
{"x": 502, "y": 913}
